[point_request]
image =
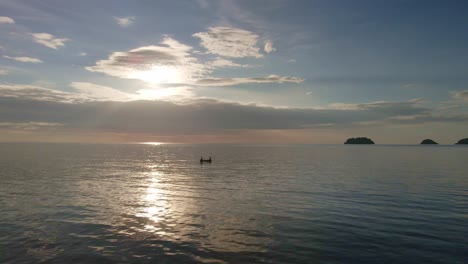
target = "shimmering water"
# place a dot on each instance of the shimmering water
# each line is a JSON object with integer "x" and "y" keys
{"x": 70, "y": 203}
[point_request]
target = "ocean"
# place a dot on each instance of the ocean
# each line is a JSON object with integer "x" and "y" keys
{"x": 150, "y": 203}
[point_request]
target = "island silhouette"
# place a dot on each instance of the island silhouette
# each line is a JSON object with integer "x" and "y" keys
{"x": 359, "y": 140}
{"x": 463, "y": 141}
{"x": 428, "y": 141}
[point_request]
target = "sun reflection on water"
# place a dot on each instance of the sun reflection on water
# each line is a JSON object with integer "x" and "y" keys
{"x": 156, "y": 203}
{"x": 153, "y": 143}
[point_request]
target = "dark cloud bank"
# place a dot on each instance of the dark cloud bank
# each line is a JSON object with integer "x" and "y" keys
{"x": 204, "y": 115}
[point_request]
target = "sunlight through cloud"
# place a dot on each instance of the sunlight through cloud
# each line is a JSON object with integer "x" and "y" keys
{"x": 169, "y": 62}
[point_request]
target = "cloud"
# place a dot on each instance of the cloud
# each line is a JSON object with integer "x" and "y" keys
{"x": 125, "y": 21}
{"x": 222, "y": 63}
{"x": 460, "y": 95}
{"x": 24, "y": 59}
{"x": 91, "y": 91}
{"x": 83, "y": 54}
{"x": 49, "y": 40}
{"x": 236, "y": 81}
{"x": 82, "y": 92}
{"x": 28, "y": 125}
{"x": 23, "y": 104}
{"x": 169, "y": 62}
{"x": 388, "y": 108}
{"x": 87, "y": 92}
{"x": 268, "y": 48}
{"x": 6, "y": 20}
{"x": 33, "y": 92}
{"x": 230, "y": 42}
{"x": 179, "y": 93}
{"x": 4, "y": 72}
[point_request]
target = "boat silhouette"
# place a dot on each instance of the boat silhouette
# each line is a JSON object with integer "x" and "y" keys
{"x": 205, "y": 160}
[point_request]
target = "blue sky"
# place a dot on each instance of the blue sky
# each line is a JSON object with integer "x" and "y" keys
{"x": 273, "y": 71}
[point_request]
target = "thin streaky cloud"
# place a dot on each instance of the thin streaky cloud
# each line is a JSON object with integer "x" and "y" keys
{"x": 24, "y": 59}
{"x": 28, "y": 125}
{"x": 237, "y": 81}
{"x": 223, "y": 63}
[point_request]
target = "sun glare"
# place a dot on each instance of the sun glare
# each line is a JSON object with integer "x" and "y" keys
{"x": 153, "y": 143}
{"x": 158, "y": 74}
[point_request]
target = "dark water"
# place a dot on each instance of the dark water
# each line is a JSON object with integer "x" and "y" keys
{"x": 69, "y": 203}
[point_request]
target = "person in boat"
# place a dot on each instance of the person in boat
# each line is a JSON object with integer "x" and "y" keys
{"x": 205, "y": 160}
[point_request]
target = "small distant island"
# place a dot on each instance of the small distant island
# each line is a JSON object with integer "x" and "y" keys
{"x": 462, "y": 141}
{"x": 429, "y": 141}
{"x": 359, "y": 140}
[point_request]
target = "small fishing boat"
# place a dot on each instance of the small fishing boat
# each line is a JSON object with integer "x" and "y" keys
{"x": 205, "y": 160}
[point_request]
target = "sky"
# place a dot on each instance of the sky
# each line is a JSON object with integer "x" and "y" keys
{"x": 264, "y": 71}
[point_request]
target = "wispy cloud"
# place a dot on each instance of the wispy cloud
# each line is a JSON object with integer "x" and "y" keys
{"x": 230, "y": 42}
{"x": 4, "y": 72}
{"x": 222, "y": 63}
{"x": 236, "y": 81}
{"x": 268, "y": 47}
{"x": 91, "y": 91}
{"x": 28, "y": 125}
{"x": 24, "y": 59}
{"x": 388, "y": 108}
{"x": 125, "y": 21}
{"x": 6, "y": 20}
{"x": 82, "y": 92}
{"x": 33, "y": 92}
{"x": 49, "y": 40}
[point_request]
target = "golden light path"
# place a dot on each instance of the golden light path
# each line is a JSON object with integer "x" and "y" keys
{"x": 157, "y": 205}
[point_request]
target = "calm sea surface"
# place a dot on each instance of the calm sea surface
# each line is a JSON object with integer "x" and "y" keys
{"x": 135, "y": 203}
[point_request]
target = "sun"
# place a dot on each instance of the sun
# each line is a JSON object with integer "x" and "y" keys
{"x": 160, "y": 74}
